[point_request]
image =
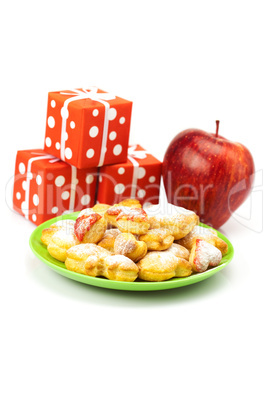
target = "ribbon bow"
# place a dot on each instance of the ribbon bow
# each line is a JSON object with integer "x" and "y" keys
{"x": 91, "y": 93}
{"x": 136, "y": 154}
{"x": 47, "y": 156}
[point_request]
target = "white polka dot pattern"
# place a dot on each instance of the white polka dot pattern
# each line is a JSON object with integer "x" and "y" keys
{"x": 94, "y": 131}
{"x": 51, "y": 122}
{"x": 141, "y": 172}
{"x": 112, "y": 113}
{"x": 38, "y": 180}
{"x": 68, "y": 153}
{"x": 85, "y": 199}
{"x": 112, "y": 135}
{"x": 22, "y": 168}
{"x": 35, "y": 200}
{"x": 65, "y": 195}
{"x": 121, "y": 170}
{"x": 117, "y": 149}
{"x": 90, "y": 153}
{"x": 24, "y": 207}
{"x": 89, "y": 178}
{"x": 119, "y": 188}
{"x": 141, "y": 193}
{"x": 48, "y": 142}
{"x": 59, "y": 181}
{"x": 147, "y": 204}
{"x": 64, "y": 112}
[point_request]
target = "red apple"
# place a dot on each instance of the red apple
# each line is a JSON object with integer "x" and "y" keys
{"x": 208, "y": 174}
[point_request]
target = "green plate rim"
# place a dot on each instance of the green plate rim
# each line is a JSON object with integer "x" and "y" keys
{"x": 36, "y": 245}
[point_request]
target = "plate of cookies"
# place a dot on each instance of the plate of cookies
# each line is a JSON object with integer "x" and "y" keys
{"x": 129, "y": 247}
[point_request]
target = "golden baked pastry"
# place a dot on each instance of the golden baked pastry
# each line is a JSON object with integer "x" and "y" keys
{"x": 179, "y": 251}
{"x": 93, "y": 260}
{"x": 112, "y": 213}
{"x": 207, "y": 234}
{"x": 90, "y": 226}
{"x": 179, "y": 221}
{"x": 133, "y": 220}
{"x": 114, "y": 267}
{"x": 60, "y": 243}
{"x": 101, "y": 208}
{"x": 157, "y": 266}
{"x": 177, "y": 246}
{"x": 204, "y": 255}
{"x": 163, "y": 265}
{"x": 49, "y": 232}
{"x": 130, "y": 202}
{"x": 184, "y": 267}
{"x": 126, "y": 244}
{"x": 77, "y": 256}
{"x": 108, "y": 239}
{"x": 157, "y": 239}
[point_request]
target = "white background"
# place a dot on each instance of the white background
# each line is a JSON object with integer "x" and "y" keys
{"x": 183, "y": 64}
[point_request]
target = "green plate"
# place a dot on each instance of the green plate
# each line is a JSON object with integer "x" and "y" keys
{"x": 41, "y": 252}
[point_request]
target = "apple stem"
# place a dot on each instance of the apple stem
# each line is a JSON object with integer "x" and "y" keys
{"x": 217, "y": 127}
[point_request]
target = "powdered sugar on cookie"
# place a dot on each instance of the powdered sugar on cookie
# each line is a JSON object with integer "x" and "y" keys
{"x": 133, "y": 214}
{"x": 124, "y": 246}
{"x": 204, "y": 255}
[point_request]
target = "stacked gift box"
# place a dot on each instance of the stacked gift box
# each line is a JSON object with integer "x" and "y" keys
{"x": 86, "y": 158}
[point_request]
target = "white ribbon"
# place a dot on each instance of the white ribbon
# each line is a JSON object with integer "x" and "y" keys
{"x": 92, "y": 94}
{"x": 133, "y": 154}
{"x": 29, "y": 176}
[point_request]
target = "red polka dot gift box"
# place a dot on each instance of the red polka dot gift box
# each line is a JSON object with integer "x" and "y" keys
{"x": 138, "y": 178}
{"x": 87, "y": 127}
{"x": 45, "y": 186}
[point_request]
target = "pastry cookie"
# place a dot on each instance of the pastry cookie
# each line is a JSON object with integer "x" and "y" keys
{"x": 90, "y": 226}
{"x": 133, "y": 220}
{"x": 108, "y": 239}
{"x": 77, "y": 256}
{"x": 130, "y": 202}
{"x": 112, "y": 213}
{"x": 204, "y": 255}
{"x": 93, "y": 260}
{"x": 114, "y": 267}
{"x": 61, "y": 241}
{"x": 179, "y": 251}
{"x": 179, "y": 221}
{"x": 157, "y": 239}
{"x": 126, "y": 244}
{"x": 209, "y": 235}
{"x": 163, "y": 265}
{"x": 66, "y": 224}
{"x": 101, "y": 208}
{"x": 123, "y": 206}
{"x": 184, "y": 267}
